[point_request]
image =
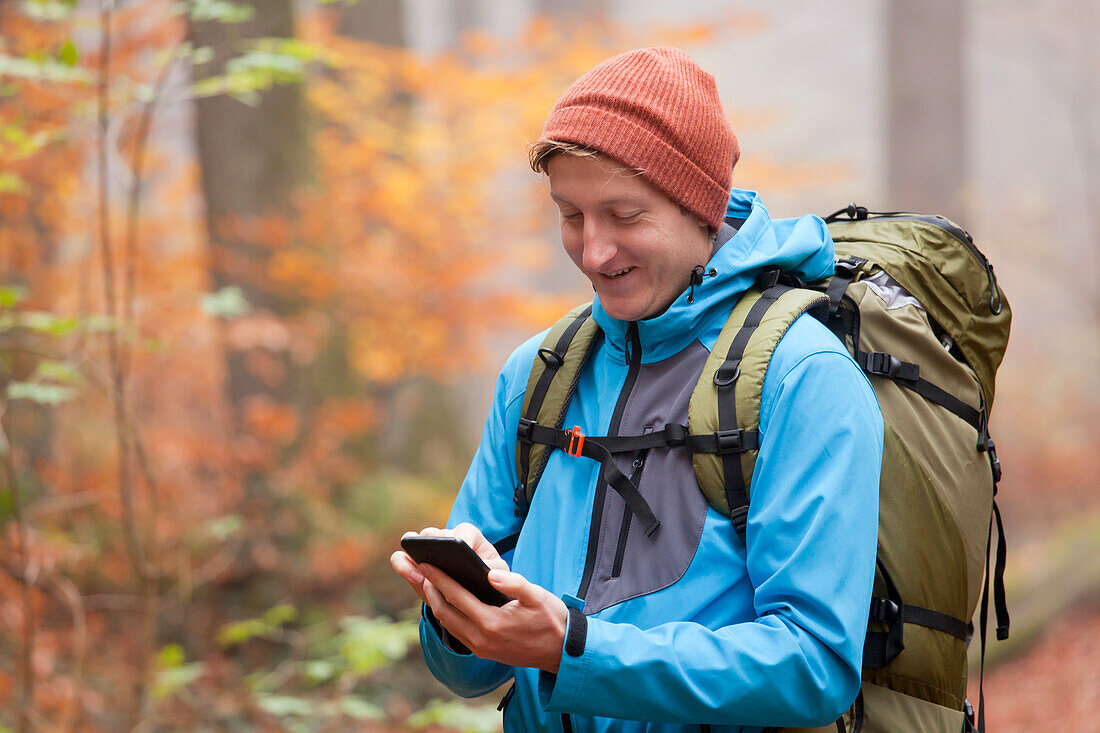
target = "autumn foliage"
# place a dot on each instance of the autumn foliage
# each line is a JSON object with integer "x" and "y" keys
{"x": 172, "y": 557}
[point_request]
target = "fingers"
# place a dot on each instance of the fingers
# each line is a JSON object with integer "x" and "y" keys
{"x": 404, "y": 566}
{"x": 517, "y": 586}
{"x": 453, "y": 592}
{"x": 451, "y": 618}
{"x": 483, "y": 547}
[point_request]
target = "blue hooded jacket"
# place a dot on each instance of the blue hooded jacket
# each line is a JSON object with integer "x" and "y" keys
{"x": 692, "y": 626}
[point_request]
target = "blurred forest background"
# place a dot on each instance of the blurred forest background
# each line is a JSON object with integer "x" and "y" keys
{"x": 260, "y": 259}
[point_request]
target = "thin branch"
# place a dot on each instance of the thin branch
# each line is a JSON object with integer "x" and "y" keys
{"x": 126, "y": 484}
{"x": 133, "y": 209}
{"x": 66, "y": 591}
{"x": 26, "y": 682}
{"x": 62, "y": 503}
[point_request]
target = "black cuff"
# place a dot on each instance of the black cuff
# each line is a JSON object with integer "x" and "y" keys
{"x": 577, "y": 633}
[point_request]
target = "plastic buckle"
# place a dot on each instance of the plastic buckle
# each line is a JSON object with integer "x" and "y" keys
{"x": 994, "y": 462}
{"x": 576, "y": 441}
{"x": 730, "y": 441}
{"x": 768, "y": 278}
{"x": 883, "y": 364}
{"x": 986, "y": 444}
{"x": 883, "y": 610}
{"x": 526, "y": 430}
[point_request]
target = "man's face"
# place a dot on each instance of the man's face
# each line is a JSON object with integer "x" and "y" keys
{"x": 634, "y": 243}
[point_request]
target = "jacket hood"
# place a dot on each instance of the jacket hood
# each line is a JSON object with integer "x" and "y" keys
{"x": 800, "y": 246}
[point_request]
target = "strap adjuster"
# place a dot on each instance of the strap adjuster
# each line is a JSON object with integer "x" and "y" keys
{"x": 730, "y": 441}
{"x": 882, "y": 364}
{"x": 526, "y": 430}
{"x": 884, "y": 610}
{"x": 675, "y": 434}
{"x": 575, "y": 441}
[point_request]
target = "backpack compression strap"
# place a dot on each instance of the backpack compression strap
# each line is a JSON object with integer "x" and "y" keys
{"x": 726, "y": 400}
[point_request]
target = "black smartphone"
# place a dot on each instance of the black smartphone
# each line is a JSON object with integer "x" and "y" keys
{"x": 458, "y": 560}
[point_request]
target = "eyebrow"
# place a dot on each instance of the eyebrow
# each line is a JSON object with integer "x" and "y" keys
{"x": 630, "y": 200}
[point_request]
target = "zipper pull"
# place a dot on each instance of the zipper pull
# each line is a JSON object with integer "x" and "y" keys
{"x": 507, "y": 697}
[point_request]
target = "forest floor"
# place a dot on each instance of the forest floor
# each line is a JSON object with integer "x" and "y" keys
{"x": 1052, "y": 685}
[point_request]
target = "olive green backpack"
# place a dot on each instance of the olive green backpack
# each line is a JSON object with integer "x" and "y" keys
{"x": 919, "y": 308}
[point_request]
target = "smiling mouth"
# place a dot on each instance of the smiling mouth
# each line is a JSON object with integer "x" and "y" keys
{"x": 617, "y": 274}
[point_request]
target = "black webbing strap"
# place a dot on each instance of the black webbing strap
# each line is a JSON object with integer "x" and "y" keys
{"x": 846, "y": 271}
{"x": 882, "y": 647}
{"x": 672, "y": 435}
{"x": 1000, "y": 604}
{"x": 907, "y": 375}
{"x": 937, "y": 620}
{"x": 552, "y": 360}
{"x": 507, "y": 544}
{"x": 577, "y": 444}
{"x": 725, "y": 378}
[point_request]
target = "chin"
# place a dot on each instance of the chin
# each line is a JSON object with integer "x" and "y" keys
{"x": 623, "y": 313}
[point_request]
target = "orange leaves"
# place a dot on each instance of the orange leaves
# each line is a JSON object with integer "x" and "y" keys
{"x": 302, "y": 272}
{"x": 270, "y": 420}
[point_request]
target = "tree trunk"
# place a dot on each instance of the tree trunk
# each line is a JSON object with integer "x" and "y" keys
{"x": 377, "y": 21}
{"x": 926, "y": 106}
{"x": 251, "y": 158}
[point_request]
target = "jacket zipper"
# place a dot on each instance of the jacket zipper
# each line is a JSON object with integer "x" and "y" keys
{"x": 968, "y": 241}
{"x": 624, "y": 529}
{"x": 635, "y": 365}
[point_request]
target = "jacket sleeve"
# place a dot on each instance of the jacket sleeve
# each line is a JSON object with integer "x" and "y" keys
{"x": 485, "y": 500}
{"x": 810, "y": 554}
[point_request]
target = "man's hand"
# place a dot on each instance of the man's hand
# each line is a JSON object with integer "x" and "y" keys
{"x": 408, "y": 569}
{"x": 526, "y": 632}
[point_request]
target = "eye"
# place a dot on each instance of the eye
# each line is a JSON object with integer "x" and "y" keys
{"x": 626, "y": 217}
{"x": 573, "y": 216}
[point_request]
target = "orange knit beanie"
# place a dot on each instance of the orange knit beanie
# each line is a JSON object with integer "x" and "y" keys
{"x": 657, "y": 111}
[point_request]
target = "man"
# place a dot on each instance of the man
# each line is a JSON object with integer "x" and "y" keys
{"x": 687, "y": 627}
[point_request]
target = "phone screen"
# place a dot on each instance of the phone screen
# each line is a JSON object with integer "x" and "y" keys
{"x": 458, "y": 560}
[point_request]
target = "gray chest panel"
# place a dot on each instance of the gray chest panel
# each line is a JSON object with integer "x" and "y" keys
{"x": 629, "y": 564}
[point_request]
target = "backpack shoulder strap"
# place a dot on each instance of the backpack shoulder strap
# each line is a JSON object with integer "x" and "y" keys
{"x": 550, "y": 387}
{"x": 726, "y": 401}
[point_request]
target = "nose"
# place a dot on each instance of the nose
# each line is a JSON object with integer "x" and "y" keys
{"x": 599, "y": 245}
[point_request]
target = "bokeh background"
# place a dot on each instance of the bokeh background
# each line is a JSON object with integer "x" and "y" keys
{"x": 260, "y": 260}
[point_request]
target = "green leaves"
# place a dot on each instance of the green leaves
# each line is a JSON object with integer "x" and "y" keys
{"x": 367, "y": 644}
{"x": 43, "y": 394}
{"x": 267, "y": 626}
{"x": 457, "y": 716}
{"x": 47, "y": 10}
{"x": 68, "y": 54}
{"x": 11, "y": 295}
{"x": 51, "y": 383}
{"x": 229, "y": 303}
{"x": 173, "y": 673}
{"x": 221, "y": 11}
{"x": 268, "y": 62}
{"x": 288, "y": 706}
{"x": 42, "y": 69}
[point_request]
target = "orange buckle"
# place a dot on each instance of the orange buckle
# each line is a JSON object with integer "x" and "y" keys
{"x": 576, "y": 441}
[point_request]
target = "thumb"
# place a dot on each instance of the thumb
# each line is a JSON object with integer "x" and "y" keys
{"x": 516, "y": 586}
